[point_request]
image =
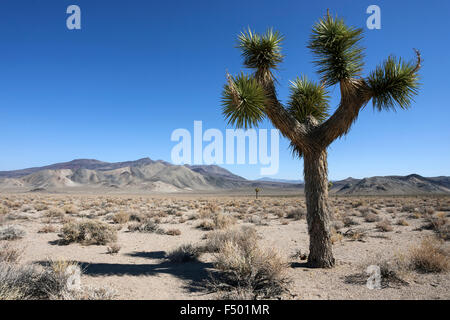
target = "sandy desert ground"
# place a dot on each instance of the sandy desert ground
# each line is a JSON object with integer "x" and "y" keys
{"x": 406, "y": 236}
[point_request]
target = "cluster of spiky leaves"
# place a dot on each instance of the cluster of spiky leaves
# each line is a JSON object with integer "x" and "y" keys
{"x": 243, "y": 101}
{"x": 337, "y": 50}
{"x": 394, "y": 83}
{"x": 262, "y": 52}
{"x": 308, "y": 99}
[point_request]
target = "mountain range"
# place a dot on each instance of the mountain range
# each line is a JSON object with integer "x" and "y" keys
{"x": 147, "y": 175}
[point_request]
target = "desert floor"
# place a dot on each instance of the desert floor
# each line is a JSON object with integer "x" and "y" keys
{"x": 366, "y": 231}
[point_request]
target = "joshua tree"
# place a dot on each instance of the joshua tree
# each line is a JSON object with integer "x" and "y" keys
{"x": 256, "y": 192}
{"x": 305, "y": 121}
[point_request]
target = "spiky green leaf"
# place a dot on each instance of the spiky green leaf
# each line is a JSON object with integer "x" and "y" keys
{"x": 393, "y": 84}
{"x": 243, "y": 101}
{"x": 338, "y": 54}
{"x": 308, "y": 98}
{"x": 261, "y": 51}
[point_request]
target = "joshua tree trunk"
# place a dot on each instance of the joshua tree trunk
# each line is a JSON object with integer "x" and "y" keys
{"x": 318, "y": 214}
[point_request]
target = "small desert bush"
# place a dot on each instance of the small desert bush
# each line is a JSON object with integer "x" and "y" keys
{"x": 147, "y": 226}
{"x": 3, "y": 209}
{"x": 430, "y": 257}
{"x": 440, "y": 225}
{"x": 59, "y": 280}
{"x": 371, "y": 217}
{"x": 55, "y": 212}
{"x": 48, "y": 228}
{"x": 222, "y": 221}
{"x": 206, "y": 225}
{"x": 113, "y": 248}
{"x": 243, "y": 236}
{"x": 296, "y": 214}
{"x": 121, "y": 217}
{"x": 9, "y": 253}
{"x": 384, "y": 226}
{"x": 11, "y": 233}
{"x": 184, "y": 253}
{"x": 173, "y": 232}
{"x": 246, "y": 266}
{"x": 88, "y": 232}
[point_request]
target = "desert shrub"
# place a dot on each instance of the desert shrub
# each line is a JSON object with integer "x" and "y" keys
{"x": 173, "y": 232}
{"x": 56, "y": 280}
{"x": 222, "y": 221}
{"x": 113, "y": 248}
{"x": 206, "y": 225}
{"x": 384, "y": 226}
{"x": 71, "y": 209}
{"x": 348, "y": 221}
{"x": 391, "y": 272}
{"x": 147, "y": 226}
{"x": 3, "y": 210}
{"x": 9, "y": 253}
{"x": 54, "y": 212}
{"x": 371, "y": 217}
{"x": 121, "y": 217}
{"x": 246, "y": 266}
{"x": 407, "y": 208}
{"x": 296, "y": 214}
{"x": 184, "y": 253}
{"x": 430, "y": 257}
{"x": 439, "y": 225}
{"x": 40, "y": 206}
{"x": 243, "y": 236}
{"x": 88, "y": 232}
{"x": 48, "y": 228}
{"x": 336, "y": 236}
{"x": 11, "y": 233}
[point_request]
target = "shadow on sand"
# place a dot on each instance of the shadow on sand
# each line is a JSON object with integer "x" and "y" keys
{"x": 195, "y": 273}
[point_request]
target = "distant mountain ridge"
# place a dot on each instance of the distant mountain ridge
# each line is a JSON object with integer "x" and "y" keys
{"x": 159, "y": 176}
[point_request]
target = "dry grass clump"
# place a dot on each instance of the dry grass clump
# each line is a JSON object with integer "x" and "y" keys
{"x": 402, "y": 222}
{"x": 121, "y": 217}
{"x": 336, "y": 236}
{"x": 243, "y": 236}
{"x": 439, "y": 224}
{"x": 222, "y": 221}
{"x": 371, "y": 217}
{"x": 184, "y": 253}
{"x": 59, "y": 280}
{"x": 3, "y": 209}
{"x": 173, "y": 232}
{"x": 55, "y": 212}
{"x": 48, "y": 228}
{"x": 11, "y": 233}
{"x": 9, "y": 253}
{"x": 296, "y": 214}
{"x": 384, "y": 226}
{"x": 246, "y": 268}
{"x": 391, "y": 272}
{"x": 430, "y": 257}
{"x": 113, "y": 248}
{"x": 146, "y": 226}
{"x": 88, "y": 232}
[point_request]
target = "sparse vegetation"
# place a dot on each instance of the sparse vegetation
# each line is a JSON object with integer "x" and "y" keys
{"x": 88, "y": 233}
{"x": 11, "y": 232}
{"x": 184, "y": 253}
{"x": 430, "y": 257}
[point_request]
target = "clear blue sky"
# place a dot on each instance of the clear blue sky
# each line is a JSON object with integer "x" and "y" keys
{"x": 137, "y": 70}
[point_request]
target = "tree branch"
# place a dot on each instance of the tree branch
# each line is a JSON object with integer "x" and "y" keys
{"x": 289, "y": 127}
{"x": 354, "y": 96}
